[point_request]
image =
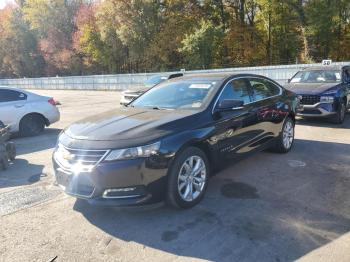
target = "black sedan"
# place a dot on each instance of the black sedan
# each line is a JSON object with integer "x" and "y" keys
{"x": 168, "y": 142}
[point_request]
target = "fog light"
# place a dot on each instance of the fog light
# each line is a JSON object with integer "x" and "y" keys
{"x": 126, "y": 192}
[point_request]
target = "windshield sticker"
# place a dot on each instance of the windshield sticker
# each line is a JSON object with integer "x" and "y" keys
{"x": 196, "y": 104}
{"x": 200, "y": 86}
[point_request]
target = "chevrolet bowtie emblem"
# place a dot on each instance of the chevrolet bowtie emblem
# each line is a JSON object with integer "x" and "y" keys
{"x": 66, "y": 155}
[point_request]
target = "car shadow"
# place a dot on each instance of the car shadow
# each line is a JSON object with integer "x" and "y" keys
{"x": 46, "y": 140}
{"x": 251, "y": 212}
{"x": 20, "y": 173}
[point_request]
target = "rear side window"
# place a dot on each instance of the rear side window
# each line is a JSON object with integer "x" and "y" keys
{"x": 11, "y": 95}
{"x": 263, "y": 89}
{"x": 237, "y": 90}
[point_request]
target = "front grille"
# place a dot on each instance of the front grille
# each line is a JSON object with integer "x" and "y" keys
{"x": 71, "y": 157}
{"x": 309, "y": 100}
{"x": 89, "y": 157}
{"x": 311, "y": 111}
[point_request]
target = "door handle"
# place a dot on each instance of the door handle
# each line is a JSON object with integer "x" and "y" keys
{"x": 18, "y": 106}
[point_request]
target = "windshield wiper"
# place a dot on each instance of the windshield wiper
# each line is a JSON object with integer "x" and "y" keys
{"x": 161, "y": 108}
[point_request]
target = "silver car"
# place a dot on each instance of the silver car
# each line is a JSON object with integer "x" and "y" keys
{"x": 26, "y": 112}
{"x": 130, "y": 95}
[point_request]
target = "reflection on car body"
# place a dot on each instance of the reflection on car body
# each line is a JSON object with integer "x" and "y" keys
{"x": 168, "y": 142}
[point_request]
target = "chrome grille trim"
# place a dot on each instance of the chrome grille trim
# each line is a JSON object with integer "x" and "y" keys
{"x": 85, "y": 157}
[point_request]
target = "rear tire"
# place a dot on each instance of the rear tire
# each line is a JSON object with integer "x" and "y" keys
{"x": 31, "y": 125}
{"x": 188, "y": 178}
{"x": 339, "y": 117}
{"x": 285, "y": 140}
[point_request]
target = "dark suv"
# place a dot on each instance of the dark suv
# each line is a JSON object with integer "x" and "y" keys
{"x": 323, "y": 91}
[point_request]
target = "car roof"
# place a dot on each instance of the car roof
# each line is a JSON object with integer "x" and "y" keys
{"x": 217, "y": 76}
{"x": 12, "y": 88}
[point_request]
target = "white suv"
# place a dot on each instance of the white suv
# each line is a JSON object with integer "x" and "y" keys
{"x": 26, "y": 112}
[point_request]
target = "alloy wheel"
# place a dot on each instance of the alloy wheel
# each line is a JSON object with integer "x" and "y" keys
{"x": 192, "y": 178}
{"x": 288, "y": 135}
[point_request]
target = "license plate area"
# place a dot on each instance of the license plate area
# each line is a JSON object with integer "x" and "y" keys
{"x": 63, "y": 178}
{"x": 79, "y": 185}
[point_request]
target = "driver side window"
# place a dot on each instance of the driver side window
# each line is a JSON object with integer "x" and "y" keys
{"x": 237, "y": 90}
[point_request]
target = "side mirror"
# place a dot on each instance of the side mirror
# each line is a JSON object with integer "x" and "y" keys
{"x": 229, "y": 105}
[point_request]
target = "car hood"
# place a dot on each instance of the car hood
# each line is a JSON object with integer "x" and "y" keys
{"x": 137, "y": 90}
{"x": 141, "y": 125}
{"x": 310, "y": 88}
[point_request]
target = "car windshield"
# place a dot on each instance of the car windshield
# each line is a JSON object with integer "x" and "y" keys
{"x": 317, "y": 76}
{"x": 155, "y": 80}
{"x": 176, "y": 95}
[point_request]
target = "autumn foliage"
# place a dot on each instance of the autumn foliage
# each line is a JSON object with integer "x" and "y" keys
{"x": 78, "y": 37}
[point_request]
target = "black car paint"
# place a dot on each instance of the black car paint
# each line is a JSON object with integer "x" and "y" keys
{"x": 223, "y": 136}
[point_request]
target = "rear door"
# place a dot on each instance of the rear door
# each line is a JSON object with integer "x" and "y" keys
{"x": 268, "y": 107}
{"x": 12, "y": 106}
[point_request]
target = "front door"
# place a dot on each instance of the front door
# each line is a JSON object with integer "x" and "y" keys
{"x": 235, "y": 128}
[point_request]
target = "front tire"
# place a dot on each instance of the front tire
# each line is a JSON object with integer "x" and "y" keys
{"x": 285, "y": 140}
{"x": 188, "y": 178}
{"x": 31, "y": 125}
{"x": 339, "y": 117}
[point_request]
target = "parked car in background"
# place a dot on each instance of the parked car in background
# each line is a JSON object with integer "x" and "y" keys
{"x": 168, "y": 142}
{"x": 323, "y": 91}
{"x": 129, "y": 95}
{"x": 26, "y": 112}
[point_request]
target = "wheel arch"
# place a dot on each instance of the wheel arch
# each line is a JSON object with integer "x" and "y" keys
{"x": 292, "y": 116}
{"x": 204, "y": 147}
{"x": 46, "y": 121}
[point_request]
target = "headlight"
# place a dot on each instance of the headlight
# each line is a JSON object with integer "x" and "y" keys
{"x": 134, "y": 152}
{"x": 327, "y": 99}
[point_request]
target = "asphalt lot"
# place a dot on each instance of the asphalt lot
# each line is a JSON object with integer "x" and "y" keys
{"x": 269, "y": 207}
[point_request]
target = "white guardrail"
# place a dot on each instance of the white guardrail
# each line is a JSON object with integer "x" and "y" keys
{"x": 127, "y": 81}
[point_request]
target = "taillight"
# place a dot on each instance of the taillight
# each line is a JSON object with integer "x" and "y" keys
{"x": 52, "y": 102}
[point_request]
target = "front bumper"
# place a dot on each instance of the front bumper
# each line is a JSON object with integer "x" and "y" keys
{"x": 118, "y": 183}
{"x": 321, "y": 109}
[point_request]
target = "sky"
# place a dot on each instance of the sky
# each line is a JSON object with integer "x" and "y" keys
{"x": 4, "y": 2}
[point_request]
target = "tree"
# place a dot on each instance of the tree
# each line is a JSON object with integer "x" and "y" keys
{"x": 53, "y": 21}
{"x": 201, "y": 47}
{"x": 18, "y": 46}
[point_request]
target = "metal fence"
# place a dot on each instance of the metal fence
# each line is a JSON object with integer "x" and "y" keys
{"x": 128, "y": 81}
